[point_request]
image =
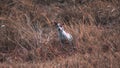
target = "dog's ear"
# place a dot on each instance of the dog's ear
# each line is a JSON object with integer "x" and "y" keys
{"x": 62, "y": 24}
{"x": 54, "y": 23}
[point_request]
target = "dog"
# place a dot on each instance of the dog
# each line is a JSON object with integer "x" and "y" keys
{"x": 63, "y": 35}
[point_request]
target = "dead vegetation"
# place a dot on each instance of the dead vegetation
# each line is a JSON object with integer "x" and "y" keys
{"x": 29, "y": 39}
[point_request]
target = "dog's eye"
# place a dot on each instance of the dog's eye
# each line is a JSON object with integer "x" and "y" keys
{"x": 60, "y": 25}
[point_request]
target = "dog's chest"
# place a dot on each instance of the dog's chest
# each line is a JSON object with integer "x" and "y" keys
{"x": 63, "y": 35}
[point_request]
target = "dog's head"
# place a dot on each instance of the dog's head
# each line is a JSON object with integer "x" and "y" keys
{"x": 59, "y": 26}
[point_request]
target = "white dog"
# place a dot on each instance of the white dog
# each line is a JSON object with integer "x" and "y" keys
{"x": 63, "y": 35}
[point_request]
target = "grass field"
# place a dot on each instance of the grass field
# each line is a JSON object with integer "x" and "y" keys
{"x": 28, "y": 38}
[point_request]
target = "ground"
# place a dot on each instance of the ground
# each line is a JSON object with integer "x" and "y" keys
{"x": 28, "y": 38}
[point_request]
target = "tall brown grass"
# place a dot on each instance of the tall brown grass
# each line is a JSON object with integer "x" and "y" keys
{"x": 29, "y": 38}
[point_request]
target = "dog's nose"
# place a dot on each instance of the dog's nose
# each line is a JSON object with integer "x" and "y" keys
{"x": 58, "y": 29}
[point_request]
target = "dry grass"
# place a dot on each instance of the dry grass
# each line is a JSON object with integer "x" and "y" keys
{"x": 29, "y": 39}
